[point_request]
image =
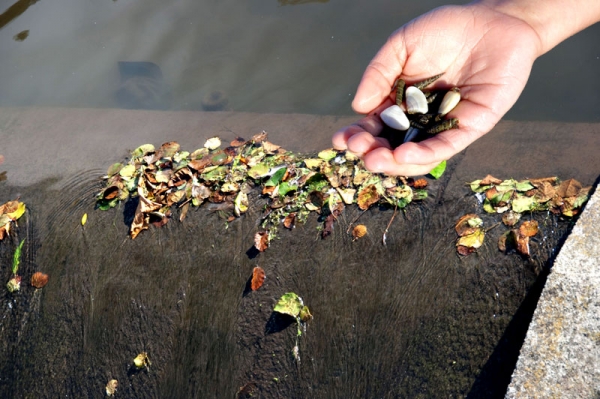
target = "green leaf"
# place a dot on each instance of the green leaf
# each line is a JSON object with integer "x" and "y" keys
{"x": 17, "y": 258}
{"x": 142, "y": 150}
{"x": 328, "y": 155}
{"x": 523, "y": 204}
{"x": 286, "y": 187}
{"x": 524, "y": 185}
{"x": 258, "y": 171}
{"x": 290, "y": 304}
{"x": 276, "y": 178}
{"x": 439, "y": 170}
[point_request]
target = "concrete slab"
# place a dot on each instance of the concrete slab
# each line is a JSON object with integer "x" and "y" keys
{"x": 561, "y": 354}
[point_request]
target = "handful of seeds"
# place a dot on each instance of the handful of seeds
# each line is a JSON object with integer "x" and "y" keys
{"x": 418, "y": 109}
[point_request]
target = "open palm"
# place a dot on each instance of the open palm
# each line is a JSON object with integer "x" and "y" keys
{"x": 487, "y": 54}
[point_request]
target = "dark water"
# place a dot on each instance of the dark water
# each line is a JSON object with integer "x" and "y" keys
{"x": 410, "y": 319}
{"x": 264, "y": 56}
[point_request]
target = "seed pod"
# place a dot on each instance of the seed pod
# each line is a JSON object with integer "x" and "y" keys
{"x": 399, "y": 91}
{"x": 451, "y": 99}
{"x": 359, "y": 231}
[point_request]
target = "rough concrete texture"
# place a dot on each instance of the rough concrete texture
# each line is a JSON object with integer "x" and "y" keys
{"x": 560, "y": 357}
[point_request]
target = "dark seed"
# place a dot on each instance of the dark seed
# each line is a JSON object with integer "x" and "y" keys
{"x": 445, "y": 125}
{"x": 424, "y": 83}
{"x": 399, "y": 91}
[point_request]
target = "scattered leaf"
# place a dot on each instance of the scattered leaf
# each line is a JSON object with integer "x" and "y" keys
{"x": 142, "y": 360}
{"x": 468, "y": 224}
{"x": 305, "y": 314}
{"x": 359, "y": 231}
{"x": 39, "y": 279}
{"x": 439, "y": 170}
{"x": 523, "y": 204}
{"x": 213, "y": 143}
{"x": 328, "y": 154}
{"x": 84, "y": 219}
{"x": 511, "y": 218}
{"x": 290, "y": 304}
{"x": 473, "y": 240}
{"x": 14, "y": 284}
{"x": 111, "y": 387}
{"x": 290, "y": 220}
{"x": 258, "y": 277}
{"x": 528, "y": 228}
{"x": 261, "y": 241}
{"x": 17, "y": 258}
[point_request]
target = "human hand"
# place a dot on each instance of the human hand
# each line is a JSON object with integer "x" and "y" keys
{"x": 486, "y": 53}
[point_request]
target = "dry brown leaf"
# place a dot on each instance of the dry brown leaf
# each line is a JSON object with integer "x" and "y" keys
{"x": 569, "y": 188}
{"x": 259, "y": 138}
{"x": 184, "y": 211}
{"x": 290, "y": 220}
{"x": 523, "y": 245}
{"x": 1, "y": 159}
{"x": 238, "y": 142}
{"x": 367, "y": 197}
{"x": 261, "y": 240}
{"x": 537, "y": 182}
{"x": 140, "y": 222}
{"x": 269, "y": 147}
{"x": 488, "y": 180}
{"x": 199, "y": 164}
{"x": 258, "y": 277}
{"x": 510, "y": 218}
{"x": 528, "y": 228}
{"x": 464, "y": 251}
{"x": 491, "y": 193}
{"x": 544, "y": 192}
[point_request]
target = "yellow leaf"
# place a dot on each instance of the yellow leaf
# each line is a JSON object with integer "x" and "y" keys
{"x": 18, "y": 212}
{"x": 84, "y": 219}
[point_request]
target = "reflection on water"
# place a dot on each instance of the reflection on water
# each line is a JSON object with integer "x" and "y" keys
{"x": 265, "y": 57}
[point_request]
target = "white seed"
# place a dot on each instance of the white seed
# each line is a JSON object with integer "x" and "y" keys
{"x": 450, "y": 101}
{"x": 416, "y": 102}
{"x": 395, "y": 118}
{"x": 411, "y": 134}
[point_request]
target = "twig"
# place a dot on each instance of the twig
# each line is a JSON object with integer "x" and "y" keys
{"x": 389, "y": 224}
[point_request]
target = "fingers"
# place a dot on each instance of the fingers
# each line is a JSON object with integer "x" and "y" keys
{"x": 381, "y": 160}
{"x": 382, "y": 71}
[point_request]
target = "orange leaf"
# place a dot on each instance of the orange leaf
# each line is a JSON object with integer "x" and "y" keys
{"x": 258, "y": 277}
{"x": 488, "y": 180}
{"x": 39, "y": 279}
{"x": 528, "y": 228}
{"x": 289, "y": 221}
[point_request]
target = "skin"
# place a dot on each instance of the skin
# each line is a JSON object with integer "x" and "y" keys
{"x": 486, "y": 48}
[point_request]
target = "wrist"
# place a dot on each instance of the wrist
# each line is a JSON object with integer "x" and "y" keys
{"x": 552, "y": 20}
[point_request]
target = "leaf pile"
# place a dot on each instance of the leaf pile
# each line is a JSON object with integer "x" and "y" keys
{"x": 561, "y": 198}
{"x": 166, "y": 177}
{"x": 10, "y": 212}
{"x": 512, "y": 198}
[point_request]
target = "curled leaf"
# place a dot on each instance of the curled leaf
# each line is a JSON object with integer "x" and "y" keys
{"x": 261, "y": 240}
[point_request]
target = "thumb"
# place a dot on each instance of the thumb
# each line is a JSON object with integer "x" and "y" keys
{"x": 382, "y": 71}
